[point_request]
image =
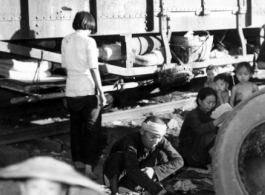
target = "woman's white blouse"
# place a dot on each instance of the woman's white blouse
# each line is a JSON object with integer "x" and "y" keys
{"x": 79, "y": 55}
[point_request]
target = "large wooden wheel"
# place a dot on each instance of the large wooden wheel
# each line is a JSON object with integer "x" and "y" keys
{"x": 239, "y": 159}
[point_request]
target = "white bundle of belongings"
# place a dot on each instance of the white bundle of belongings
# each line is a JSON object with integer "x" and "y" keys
{"x": 25, "y": 70}
{"x": 221, "y": 110}
{"x": 184, "y": 185}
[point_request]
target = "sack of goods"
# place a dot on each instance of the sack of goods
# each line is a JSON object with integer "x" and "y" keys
{"x": 175, "y": 76}
{"x": 192, "y": 47}
{"x": 25, "y": 70}
{"x": 221, "y": 110}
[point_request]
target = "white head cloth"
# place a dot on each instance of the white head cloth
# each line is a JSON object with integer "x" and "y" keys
{"x": 155, "y": 128}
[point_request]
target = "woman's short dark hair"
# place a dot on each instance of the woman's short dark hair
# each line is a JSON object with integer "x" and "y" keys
{"x": 84, "y": 21}
{"x": 204, "y": 93}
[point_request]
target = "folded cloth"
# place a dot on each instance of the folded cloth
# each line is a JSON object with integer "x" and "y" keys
{"x": 29, "y": 65}
{"x": 221, "y": 110}
{"x": 17, "y": 75}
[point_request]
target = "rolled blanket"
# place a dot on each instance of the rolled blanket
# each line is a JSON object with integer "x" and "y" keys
{"x": 153, "y": 58}
{"x": 30, "y": 65}
{"x": 23, "y": 76}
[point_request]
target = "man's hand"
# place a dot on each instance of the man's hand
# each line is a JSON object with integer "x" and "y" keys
{"x": 148, "y": 171}
{"x": 102, "y": 100}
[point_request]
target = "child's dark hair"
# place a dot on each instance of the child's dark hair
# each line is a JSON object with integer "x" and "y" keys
{"x": 244, "y": 64}
{"x": 222, "y": 77}
{"x": 205, "y": 92}
{"x": 210, "y": 67}
{"x": 84, "y": 21}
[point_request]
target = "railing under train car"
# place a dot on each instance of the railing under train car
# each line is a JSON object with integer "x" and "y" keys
{"x": 115, "y": 70}
{"x": 166, "y": 17}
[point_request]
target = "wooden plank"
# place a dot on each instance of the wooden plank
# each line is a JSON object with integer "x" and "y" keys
{"x": 137, "y": 71}
{"x": 29, "y": 52}
{"x": 222, "y": 61}
{"x": 187, "y": 104}
{"x": 34, "y": 132}
{"x": 37, "y": 97}
{"x": 37, "y": 131}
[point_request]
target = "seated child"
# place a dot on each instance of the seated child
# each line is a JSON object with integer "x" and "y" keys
{"x": 221, "y": 86}
{"x": 244, "y": 88}
{"x": 211, "y": 71}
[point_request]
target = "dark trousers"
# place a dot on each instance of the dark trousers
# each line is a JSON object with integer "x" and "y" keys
{"x": 199, "y": 155}
{"x": 114, "y": 166}
{"x": 85, "y": 132}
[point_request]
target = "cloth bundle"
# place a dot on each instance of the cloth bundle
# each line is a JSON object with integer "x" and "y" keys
{"x": 221, "y": 110}
{"x": 184, "y": 185}
{"x": 25, "y": 70}
{"x": 175, "y": 76}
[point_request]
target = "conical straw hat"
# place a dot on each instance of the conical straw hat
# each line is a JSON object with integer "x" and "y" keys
{"x": 50, "y": 169}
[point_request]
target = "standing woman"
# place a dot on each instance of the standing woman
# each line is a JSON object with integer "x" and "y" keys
{"x": 198, "y": 132}
{"x": 84, "y": 93}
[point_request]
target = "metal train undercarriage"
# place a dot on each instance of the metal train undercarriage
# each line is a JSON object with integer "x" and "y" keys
{"x": 128, "y": 34}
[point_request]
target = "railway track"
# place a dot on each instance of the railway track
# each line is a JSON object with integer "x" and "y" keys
{"x": 15, "y": 129}
{"x": 38, "y": 131}
{"x": 136, "y": 113}
{"x": 41, "y": 128}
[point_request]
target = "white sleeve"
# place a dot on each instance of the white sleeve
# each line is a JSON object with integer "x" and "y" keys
{"x": 63, "y": 54}
{"x": 92, "y": 54}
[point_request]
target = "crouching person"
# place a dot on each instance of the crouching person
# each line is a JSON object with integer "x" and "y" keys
{"x": 45, "y": 176}
{"x": 140, "y": 160}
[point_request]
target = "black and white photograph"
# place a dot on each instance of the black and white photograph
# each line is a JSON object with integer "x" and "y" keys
{"x": 132, "y": 97}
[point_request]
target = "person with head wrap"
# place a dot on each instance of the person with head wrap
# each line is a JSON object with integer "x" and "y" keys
{"x": 45, "y": 176}
{"x": 140, "y": 160}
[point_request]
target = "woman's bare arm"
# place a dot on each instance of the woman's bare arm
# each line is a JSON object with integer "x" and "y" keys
{"x": 96, "y": 76}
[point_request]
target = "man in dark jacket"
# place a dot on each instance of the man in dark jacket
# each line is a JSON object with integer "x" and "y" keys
{"x": 138, "y": 161}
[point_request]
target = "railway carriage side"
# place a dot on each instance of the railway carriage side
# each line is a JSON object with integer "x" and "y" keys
{"x": 136, "y": 39}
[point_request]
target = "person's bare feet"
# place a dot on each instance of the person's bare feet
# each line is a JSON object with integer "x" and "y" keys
{"x": 89, "y": 172}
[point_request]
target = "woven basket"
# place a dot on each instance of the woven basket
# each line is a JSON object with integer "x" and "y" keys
{"x": 190, "y": 49}
{"x": 175, "y": 76}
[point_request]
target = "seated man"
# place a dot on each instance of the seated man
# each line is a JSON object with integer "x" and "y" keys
{"x": 138, "y": 161}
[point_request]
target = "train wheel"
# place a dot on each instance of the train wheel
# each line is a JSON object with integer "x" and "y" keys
{"x": 239, "y": 158}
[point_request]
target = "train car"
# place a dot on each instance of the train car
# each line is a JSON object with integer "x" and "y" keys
{"x": 165, "y": 41}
